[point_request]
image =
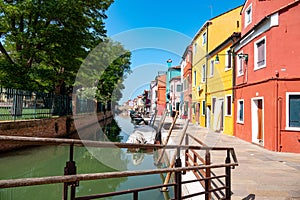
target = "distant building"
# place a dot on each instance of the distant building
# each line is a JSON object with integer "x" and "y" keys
{"x": 186, "y": 74}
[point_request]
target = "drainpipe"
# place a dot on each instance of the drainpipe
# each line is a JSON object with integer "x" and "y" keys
{"x": 278, "y": 116}
{"x": 206, "y": 67}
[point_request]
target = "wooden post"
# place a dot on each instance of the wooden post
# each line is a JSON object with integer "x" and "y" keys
{"x": 176, "y": 153}
{"x": 178, "y": 191}
{"x": 207, "y": 175}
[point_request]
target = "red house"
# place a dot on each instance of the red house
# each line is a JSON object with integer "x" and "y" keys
{"x": 267, "y": 75}
{"x": 186, "y": 66}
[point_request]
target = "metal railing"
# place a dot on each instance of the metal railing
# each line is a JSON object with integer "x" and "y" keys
{"x": 18, "y": 104}
{"x": 71, "y": 179}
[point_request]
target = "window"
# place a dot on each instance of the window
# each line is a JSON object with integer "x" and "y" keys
{"x": 228, "y": 105}
{"x": 212, "y": 68}
{"x": 178, "y": 88}
{"x": 260, "y": 54}
{"x": 213, "y": 102}
{"x": 171, "y": 88}
{"x": 240, "y": 111}
{"x": 293, "y": 110}
{"x": 203, "y": 39}
{"x": 203, "y": 74}
{"x": 228, "y": 61}
{"x": 203, "y": 107}
{"x": 195, "y": 78}
{"x": 195, "y": 48}
{"x": 240, "y": 65}
{"x": 185, "y": 84}
{"x": 248, "y": 15}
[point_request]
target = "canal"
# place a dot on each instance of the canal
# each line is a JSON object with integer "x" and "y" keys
{"x": 51, "y": 160}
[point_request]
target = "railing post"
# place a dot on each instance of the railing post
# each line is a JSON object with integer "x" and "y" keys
{"x": 228, "y": 177}
{"x": 178, "y": 192}
{"x": 70, "y": 169}
{"x": 207, "y": 175}
{"x": 186, "y": 158}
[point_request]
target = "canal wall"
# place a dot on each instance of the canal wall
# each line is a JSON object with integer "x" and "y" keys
{"x": 51, "y": 128}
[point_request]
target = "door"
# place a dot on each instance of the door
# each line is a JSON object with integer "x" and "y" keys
{"x": 257, "y": 112}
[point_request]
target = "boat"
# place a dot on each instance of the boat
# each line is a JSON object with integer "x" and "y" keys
{"x": 142, "y": 134}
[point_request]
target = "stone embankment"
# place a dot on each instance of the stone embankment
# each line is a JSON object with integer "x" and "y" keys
{"x": 51, "y": 128}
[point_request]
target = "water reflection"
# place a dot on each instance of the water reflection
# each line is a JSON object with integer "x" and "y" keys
{"x": 51, "y": 160}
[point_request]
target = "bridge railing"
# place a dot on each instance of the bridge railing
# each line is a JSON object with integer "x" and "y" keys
{"x": 71, "y": 180}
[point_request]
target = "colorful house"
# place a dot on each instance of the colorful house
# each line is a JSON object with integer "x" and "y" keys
{"x": 161, "y": 93}
{"x": 172, "y": 72}
{"x": 220, "y": 86}
{"x": 186, "y": 73}
{"x": 209, "y": 36}
{"x": 267, "y": 84}
{"x": 175, "y": 93}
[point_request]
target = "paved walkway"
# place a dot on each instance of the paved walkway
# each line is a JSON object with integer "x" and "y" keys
{"x": 261, "y": 174}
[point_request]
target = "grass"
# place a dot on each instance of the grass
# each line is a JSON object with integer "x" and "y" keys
{"x": 27, "y": 113}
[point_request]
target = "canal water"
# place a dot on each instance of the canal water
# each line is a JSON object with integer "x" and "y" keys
{"x": 51, "y": 160}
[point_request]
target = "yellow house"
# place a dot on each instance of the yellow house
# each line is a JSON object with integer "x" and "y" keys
{"x": 220, "y": 86}
{"x": 214, "y": 32}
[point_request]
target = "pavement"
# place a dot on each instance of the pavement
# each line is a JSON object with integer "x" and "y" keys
{"x": 261, "y": 174}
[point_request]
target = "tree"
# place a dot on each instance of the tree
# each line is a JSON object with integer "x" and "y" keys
{"x": 43, "y": 43}
{"x": 102, "y": 73}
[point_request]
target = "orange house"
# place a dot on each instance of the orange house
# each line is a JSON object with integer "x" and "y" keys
{"x": 267, "y": 80}
{"x": 161, "y": 93}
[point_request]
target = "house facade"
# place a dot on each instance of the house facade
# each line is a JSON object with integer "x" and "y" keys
{"x": 161, "y": 93}
{"x": 267, "y": 84}
{"x": 173, "y": 71}
{"x": 209, "y": 36}
{"x": 186, "y": 74}
{"x": 175, "y": 93}
{"x": 220, "y": 86}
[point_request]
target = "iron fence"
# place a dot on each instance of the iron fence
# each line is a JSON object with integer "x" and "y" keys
{"x": 21, "y": 104}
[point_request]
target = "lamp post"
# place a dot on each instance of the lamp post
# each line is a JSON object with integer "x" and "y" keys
{"x": 240, "y": 55}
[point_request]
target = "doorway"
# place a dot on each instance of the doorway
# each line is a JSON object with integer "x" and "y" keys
{"x": 257, "y": 112}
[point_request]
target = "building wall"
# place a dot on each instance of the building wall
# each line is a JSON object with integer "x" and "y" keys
{"x": 262, "y": 9}
{"x": 272, "y": 83}
{"x": 219, "y": 86}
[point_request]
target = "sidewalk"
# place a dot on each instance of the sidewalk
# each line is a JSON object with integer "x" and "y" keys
{"x": 261, "y": 174}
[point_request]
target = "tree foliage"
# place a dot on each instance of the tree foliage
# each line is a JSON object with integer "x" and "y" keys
{"x": 43, "y": 43}
{"x": 102, "y": 72}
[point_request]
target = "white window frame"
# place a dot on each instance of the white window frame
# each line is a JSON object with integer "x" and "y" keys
{"x": 239, "y": 64}
{"x": 248, "y": 16}
{"x": 256, "y": 67}
{"x": 203, "y": 73}
{"x": 226, "y": 105}
{"x": 287, "y": 127}
{"x": 212, "y": 68}
{"x": 238, "y": 111}
{"x": 195, "y": 48}
{"x": 204, "y": 37}
{"x": 228, "y": 65}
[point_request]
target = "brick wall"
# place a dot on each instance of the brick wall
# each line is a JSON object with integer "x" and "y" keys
{"x": 51, "y": 128}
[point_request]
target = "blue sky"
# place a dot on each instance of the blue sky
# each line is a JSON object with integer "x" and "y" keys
{"x": 156, "y": 30}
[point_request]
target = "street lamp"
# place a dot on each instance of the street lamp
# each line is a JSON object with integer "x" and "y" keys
{"x": 169, "y": 61}
{"x": 240, "y": 55}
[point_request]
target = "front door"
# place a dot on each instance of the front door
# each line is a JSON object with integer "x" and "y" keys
{"x": 257, "y": 121}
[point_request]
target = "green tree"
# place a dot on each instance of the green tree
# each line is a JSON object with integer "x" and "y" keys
{"x": 102, "y": 73}
{"x": 43, "y": 43}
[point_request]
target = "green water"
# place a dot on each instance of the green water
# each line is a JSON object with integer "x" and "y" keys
{"x": 51, "y": 160}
